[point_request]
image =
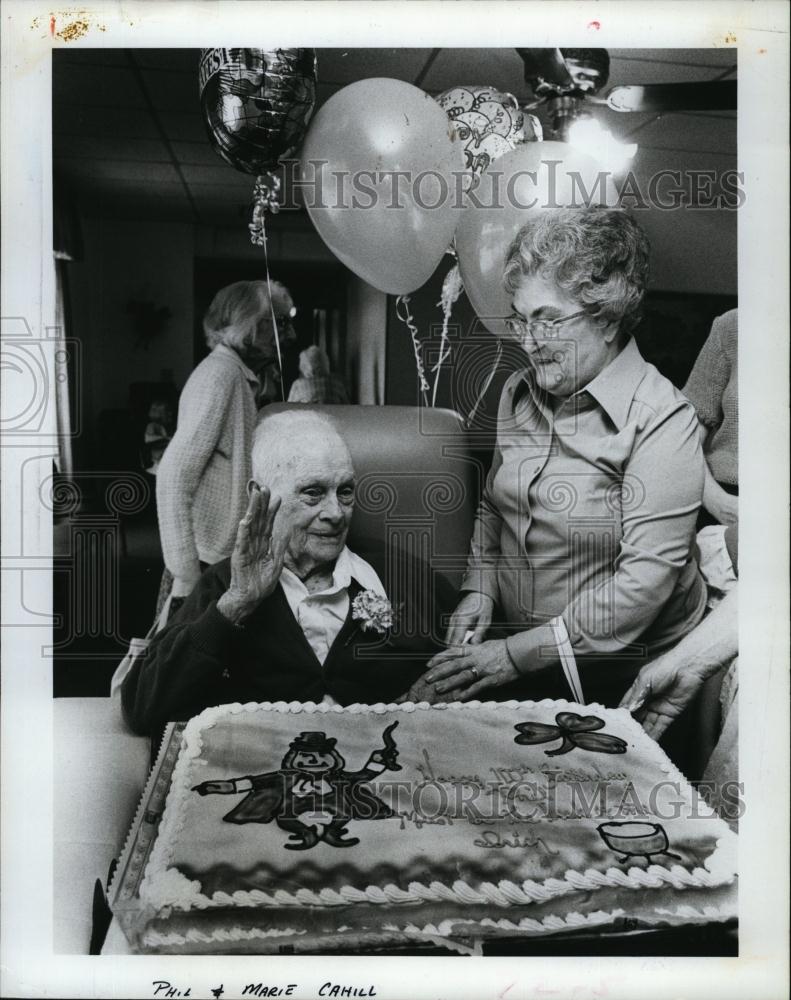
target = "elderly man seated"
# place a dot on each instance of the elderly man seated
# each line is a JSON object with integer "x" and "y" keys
{"x": 293, "y": 615}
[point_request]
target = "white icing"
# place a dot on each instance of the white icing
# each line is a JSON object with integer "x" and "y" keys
{"x": 164, "y": 885}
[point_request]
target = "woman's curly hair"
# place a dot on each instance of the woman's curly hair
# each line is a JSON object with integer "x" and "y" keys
{"x": 598, "y": 256}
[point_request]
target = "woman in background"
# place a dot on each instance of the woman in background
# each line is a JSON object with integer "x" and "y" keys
{"x": 316, "y": 383}
{"x": 202, "y": 477}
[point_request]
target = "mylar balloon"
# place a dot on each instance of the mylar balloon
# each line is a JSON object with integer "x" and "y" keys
{"x": 378, "y": 176}
{"x": 487, "y": 123}
{"x": 256, "y": 103}
{"x": 534, "y": 177}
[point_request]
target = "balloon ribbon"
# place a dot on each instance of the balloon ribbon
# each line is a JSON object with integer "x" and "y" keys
{"x": 451, "y": 289}
{"x": 402, "y": 302}
{"x": 487, "y": 383}
{"x": 261, "y": 241}
{"x": 265, "y": 199}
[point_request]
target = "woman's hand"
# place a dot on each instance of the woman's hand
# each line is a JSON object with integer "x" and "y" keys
{"x": 661, "y": 692}
{"x": 473, "y": 613}
{"x": 465, "y": 671}
{"x": 257, "y": 559}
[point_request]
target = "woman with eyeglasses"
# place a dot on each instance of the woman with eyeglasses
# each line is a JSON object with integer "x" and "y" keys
{"x": 203, "y": 475}
{"x": 582, "y": 547}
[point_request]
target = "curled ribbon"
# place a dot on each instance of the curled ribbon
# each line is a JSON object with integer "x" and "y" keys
{"x": 406, "y": 317}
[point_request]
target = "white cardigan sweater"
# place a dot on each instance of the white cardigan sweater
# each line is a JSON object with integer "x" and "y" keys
{"x": 202, "y": 478}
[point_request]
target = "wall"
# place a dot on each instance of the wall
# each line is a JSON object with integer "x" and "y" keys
{"x": 366, "y": 344}
{"x": 126, "y": 260}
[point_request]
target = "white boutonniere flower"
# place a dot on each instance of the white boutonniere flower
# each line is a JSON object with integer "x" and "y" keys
{"x": 374, "y": 612}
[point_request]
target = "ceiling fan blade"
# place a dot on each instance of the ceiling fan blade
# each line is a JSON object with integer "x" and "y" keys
{"x": 710, "y": 95}
{"x": 547, "y": 65}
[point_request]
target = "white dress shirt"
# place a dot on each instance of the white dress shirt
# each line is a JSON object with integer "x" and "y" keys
{"x": 321, "y": 615}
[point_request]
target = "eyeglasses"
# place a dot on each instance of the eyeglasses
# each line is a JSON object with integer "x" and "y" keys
{"x": 538, "y": 329}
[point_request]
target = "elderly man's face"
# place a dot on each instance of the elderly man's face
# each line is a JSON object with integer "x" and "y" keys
{"x": 316, "y": 487}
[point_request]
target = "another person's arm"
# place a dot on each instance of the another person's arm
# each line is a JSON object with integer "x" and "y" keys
{"x": 479, "y": 587}
{"x": 723, "y": 507}
{"x": 202, "y": 414}
{"x": 665, "y": 688}
{"x": 705, "y": 388}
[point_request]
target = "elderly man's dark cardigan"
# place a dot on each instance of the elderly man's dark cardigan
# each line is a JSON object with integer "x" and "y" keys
{"x": 200, "y": 659}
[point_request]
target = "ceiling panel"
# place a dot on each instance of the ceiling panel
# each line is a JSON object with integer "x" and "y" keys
{"x": 184, "y": 126}
{"x": 501, "y": 68}
{"x": 693, "y": 133}
{"x": 342, "y": 66}
{"x": 239, "y": 193}
{"x": 172, "y": 90}
{"x": 105, "y": 147}
{"x": 126, "y": 123}
{"x": 95, "y": 86}
{"x": 120, "y": 170}
{"x": 200, "y": 153}
{"x": 632, "y": 71}
{"x": 679, "y": 57}
{"x": 90, "y": 57}
{"x": 185, "y": 60}
{"x": 218, "y": 173}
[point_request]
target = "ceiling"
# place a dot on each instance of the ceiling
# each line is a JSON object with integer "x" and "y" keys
{"x": 129, "y": 139}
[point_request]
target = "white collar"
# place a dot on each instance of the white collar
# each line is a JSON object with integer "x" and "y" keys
{"x": 348, "y": 566}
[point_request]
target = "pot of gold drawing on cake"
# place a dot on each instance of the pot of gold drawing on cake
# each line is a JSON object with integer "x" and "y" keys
{"x": 635, "y": 839}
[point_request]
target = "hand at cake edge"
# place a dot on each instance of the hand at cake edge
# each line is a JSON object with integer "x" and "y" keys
{"x": 466, "y": 671}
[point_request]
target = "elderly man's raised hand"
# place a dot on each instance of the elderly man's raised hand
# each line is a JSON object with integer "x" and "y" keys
{"x": 257, "y": 558}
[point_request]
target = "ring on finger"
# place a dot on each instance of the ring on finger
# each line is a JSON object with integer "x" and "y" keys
{"x": 474, "y": 672}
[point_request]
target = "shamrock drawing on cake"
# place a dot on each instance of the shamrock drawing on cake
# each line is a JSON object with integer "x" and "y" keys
{"x": 576, "y": 731}
{"x": 311, "y": 796}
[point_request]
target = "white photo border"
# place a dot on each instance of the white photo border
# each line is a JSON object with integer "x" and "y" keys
{"x": 759, "y": 31}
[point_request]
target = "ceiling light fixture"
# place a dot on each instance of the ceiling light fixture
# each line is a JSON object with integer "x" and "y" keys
{"x": 589, "y": 136}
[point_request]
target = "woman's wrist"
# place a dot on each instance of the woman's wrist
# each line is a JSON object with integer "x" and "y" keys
{"x": 532, "y": 650}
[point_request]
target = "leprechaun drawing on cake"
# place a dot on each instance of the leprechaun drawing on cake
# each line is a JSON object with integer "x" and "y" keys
{"x": 311, "y": 796}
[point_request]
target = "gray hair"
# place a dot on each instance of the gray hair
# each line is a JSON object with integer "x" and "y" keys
{"x": 233, "y": 316}
{"x": 599, "y": 256}
{"x": 313, "y": 362}
{"x": 278, "y": 436}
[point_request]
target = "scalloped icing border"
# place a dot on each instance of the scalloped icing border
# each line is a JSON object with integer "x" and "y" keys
{"x": 160, "y": 890}
{"x": 550, "y": 924}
